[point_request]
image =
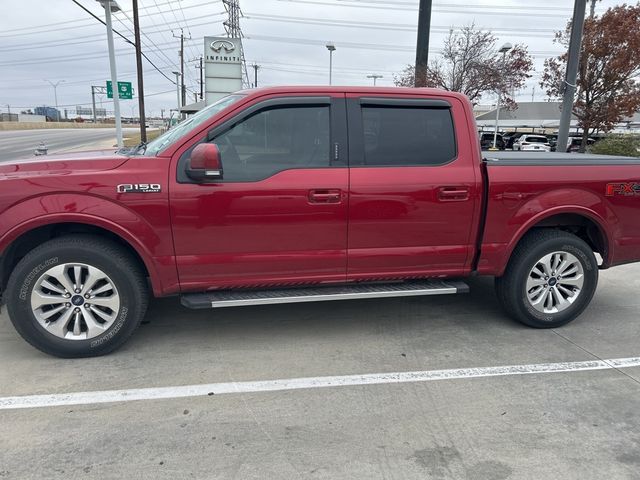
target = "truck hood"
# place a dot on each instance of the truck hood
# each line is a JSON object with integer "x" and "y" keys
{"x": 63, "y": 164}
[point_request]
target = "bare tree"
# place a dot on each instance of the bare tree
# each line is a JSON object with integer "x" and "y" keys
{"x": 471, "y": 63}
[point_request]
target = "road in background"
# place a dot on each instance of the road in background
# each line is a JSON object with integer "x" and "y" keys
{"x": 21, "y": 143}
{"x": 571, "y": 425}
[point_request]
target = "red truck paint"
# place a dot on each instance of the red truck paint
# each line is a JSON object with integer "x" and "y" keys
{"x": 381, "y": 222}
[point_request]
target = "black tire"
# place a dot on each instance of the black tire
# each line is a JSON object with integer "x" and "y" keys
{"x": 123, "y": 270}
{"x": 511, "y": 287}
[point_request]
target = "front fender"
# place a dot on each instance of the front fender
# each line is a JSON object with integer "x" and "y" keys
{"x": 151, "y": 242}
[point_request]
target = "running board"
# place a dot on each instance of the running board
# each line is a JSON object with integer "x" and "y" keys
{"x": 239, "y": 298}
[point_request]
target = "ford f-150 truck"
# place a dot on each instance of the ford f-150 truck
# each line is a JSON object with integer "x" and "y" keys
{"x": 297, "y": 194}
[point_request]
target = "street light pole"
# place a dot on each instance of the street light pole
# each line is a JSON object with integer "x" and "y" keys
{"x": 503, "y": 50}
{"x": 331, "y": 47}
{"x": 111, "y": 6}
{"x": 375, "y": 77}
{"x": 55, "y": 95}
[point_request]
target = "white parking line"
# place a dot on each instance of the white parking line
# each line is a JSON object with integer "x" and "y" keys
{"x": 129, "y": 395}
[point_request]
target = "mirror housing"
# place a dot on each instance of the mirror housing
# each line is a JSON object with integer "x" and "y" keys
{"x": 204, "y": 163}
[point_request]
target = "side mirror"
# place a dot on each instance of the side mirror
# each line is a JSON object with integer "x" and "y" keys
{"x": 205, "y": 162}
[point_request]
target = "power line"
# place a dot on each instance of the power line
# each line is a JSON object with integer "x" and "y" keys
{"x": 125, "y": 38}
{"x": 382, "y": 26}
{"x": 365, "y": 46}
{"x": 98, "y": 37}
{"x": 395, "y": 7}
{"x": 33, "y": 30}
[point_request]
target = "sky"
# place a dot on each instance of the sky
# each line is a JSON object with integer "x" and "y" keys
{"x": 56, "y": 40}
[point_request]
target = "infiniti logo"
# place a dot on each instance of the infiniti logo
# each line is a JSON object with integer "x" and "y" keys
{"x": 222, "y": 44}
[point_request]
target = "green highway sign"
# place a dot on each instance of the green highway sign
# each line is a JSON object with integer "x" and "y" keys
{"x": 125, "y": 92}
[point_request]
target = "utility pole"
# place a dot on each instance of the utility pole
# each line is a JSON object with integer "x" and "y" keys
{"x": 422, "y": 43}
{"x": 571, "y": 76}
{"x": 533, "y": 92}
{"x": 136, "y": 29}
{"x": 93, "y": 104}
{"x": 201, "y": 68}
{"x": 183, "y": 89}
{"x": 100, "y": 89}
{"x": 375, "y": 76}
{"x": 255, "y": 75}
{"x": 177, "y": 74}
{"x": 592, "y": 11}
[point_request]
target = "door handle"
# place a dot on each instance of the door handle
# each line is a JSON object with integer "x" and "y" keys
{"x": 325, "y": 196}
{"x": 453, "y": 194}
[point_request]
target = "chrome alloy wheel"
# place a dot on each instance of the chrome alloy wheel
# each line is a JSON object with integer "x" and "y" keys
{"x": 555, "y": 282}
{"x": 75, "y": 301}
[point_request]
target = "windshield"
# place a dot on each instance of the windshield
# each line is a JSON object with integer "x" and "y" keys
{"x": 189, "y": 124}
{"x": 537, "y": 139}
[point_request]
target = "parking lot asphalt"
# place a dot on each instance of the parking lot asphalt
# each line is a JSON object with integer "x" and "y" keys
{"x": 568, "y": 425}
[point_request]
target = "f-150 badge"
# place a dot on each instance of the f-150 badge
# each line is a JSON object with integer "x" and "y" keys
{"x": 622, "y": 189}
{"x": 139, "y": 188}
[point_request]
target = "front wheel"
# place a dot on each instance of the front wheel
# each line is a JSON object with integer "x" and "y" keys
{"x": 77, "y": 296}
{"x": 550, "y": 279}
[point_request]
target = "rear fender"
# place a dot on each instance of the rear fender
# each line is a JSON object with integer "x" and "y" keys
{"x": 535, "y": 210}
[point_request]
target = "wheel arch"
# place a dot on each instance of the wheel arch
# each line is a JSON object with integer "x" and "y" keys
{"x": 580, "y": 221}
{"x": 24, "y": 237}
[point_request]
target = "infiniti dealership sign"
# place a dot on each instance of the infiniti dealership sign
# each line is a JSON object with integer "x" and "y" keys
{"x": 223, "y": 67}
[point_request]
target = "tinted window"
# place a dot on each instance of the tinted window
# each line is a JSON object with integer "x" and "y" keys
{"x": 408, "y": 136}
{"x": 274, "y": 140}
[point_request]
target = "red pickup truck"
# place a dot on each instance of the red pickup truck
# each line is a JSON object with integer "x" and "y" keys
{"x": 298, "y": 194}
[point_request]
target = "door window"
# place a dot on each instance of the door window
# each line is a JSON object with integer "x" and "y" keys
{"x": 274, "y": 140}
{"x": 408, "y": 136}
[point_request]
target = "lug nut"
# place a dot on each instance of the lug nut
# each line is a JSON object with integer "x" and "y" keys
{"x": 87, "y": 305}
{"x": 77, "y": 310}
{"x": 67, "y": 295}
{"x": 67, "y": 305}
{"x": 77, "y": 290}
{"x": 86, "y": 295}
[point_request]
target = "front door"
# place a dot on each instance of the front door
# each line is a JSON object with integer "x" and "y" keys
{"x": 278, "y": 215}
{"x": 414, "y": 197}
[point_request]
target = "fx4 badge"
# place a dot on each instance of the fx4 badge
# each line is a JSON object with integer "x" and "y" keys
{"x": 632, "y": 188}
{"x": 139, "y": 188}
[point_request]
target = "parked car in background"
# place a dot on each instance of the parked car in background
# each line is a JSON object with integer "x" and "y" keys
{"x": 573, "y": 145}
{"x": 510, "y": 138}
{"x": 486, "y": 141}
{"x": 532, "y": 143}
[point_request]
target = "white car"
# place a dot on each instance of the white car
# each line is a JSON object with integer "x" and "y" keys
{"x": 532, "y": 143}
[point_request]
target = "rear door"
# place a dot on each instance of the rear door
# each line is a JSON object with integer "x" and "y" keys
{"x": 414, "y": 197}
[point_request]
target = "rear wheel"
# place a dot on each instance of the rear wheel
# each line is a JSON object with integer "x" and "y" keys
{"x": 77, "y": 296}
{"x": 550, "y": 279}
